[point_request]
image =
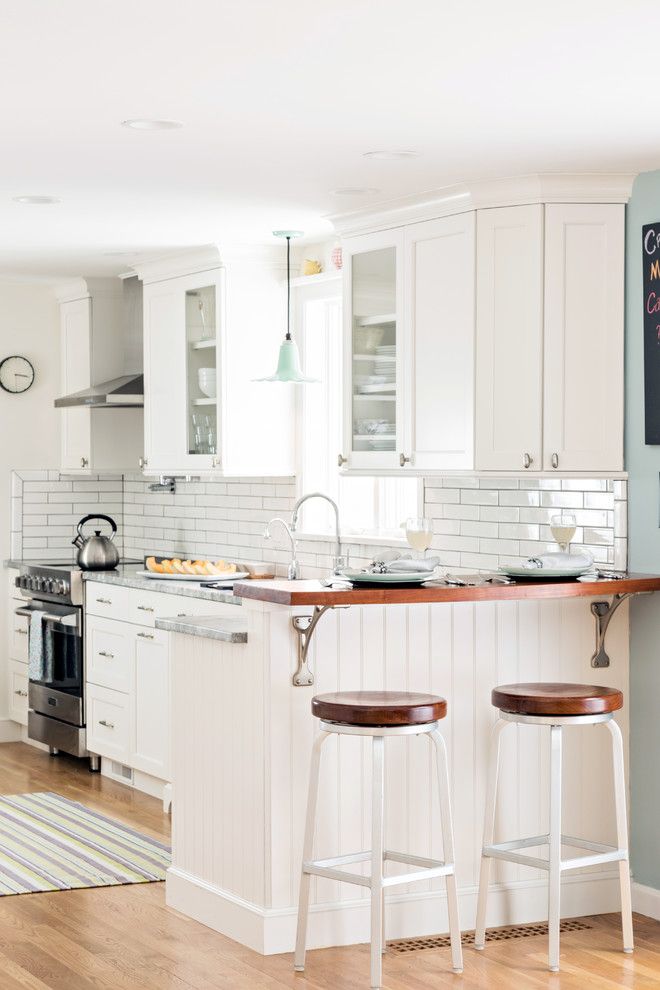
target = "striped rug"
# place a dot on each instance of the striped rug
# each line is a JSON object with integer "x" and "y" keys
{"x": 50, "y": 843}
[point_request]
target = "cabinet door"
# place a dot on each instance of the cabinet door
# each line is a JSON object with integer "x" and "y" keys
{"x": 152, "y": 703}
{"x": 75, "y": 323}
{"x": 509, "y": 338}
{"x": 109, "y": 719}
{"x": 373, "y": 360}
{"x": 182, "y": 372}
{"x": 438, "y": 343}
{"x": 164, "y": 375}
{"x": 18, "y": 691}
{"x": 583, "y": 347}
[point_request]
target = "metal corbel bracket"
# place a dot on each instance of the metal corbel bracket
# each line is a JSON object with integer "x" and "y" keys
{"x": 305, "y": 625}
{"x": 603, "y": 612}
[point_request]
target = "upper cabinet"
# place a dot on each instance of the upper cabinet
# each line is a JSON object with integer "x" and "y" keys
{"x": 409, "y": 347}
{"x": 95, "y": 349}
{"x": 483, "y": 329}
{"x": 583, "y": 337}
{"x": 509, "y": 365}
{"x": 208, "y": 334}
{"x": 373, "y": 362}
{"x": 549, "y": 370}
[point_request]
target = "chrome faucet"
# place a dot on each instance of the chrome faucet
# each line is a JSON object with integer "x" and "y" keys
{"x": 339, "y": 559}
{"x": 293, "y": 570}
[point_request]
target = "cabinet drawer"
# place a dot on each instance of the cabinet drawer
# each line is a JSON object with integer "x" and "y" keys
{"x": 106, "y": 599}
{"x": 109, "y": 653}
{"x": 147, "y": 606}
{"x": 108, "y": 723}
{"x": 18, "y": 633}
{"x": 18, "y": 691}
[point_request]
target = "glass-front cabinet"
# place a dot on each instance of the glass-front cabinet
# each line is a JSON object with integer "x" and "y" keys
{"x": 183, "y": 383}
{"x": 373, "y": 372}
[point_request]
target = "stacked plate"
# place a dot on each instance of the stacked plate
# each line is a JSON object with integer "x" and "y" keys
{"x": 386, "y": 350}
{"x": 382, "y": 442}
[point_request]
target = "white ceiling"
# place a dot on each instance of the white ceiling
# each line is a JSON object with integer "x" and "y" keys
{"x": 281, "y": 98}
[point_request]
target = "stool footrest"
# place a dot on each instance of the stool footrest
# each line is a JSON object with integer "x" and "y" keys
{"x": 428, "y": 868}
{"x": 600, "y": 853}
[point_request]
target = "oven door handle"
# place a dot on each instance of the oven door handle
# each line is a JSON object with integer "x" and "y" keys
{"x": 50, "y": 616}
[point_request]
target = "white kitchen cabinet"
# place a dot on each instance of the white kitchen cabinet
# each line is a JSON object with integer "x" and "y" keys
{"x": 151, "y": 736}
{"x": 509, "y": 348}
{"x": 373, "y": 357}
{"x": 437, "y": 342}
{"x": 583, "y": 337}
{"x": 109, "y": 720}
{"x": 549, "y": 370}
{"x": 227, "y": 319}
{"x": 18, "y": 691}
{"x": 93, "y": 351}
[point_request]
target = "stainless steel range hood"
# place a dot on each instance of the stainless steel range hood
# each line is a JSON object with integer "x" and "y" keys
{"x": 126, "y": 392}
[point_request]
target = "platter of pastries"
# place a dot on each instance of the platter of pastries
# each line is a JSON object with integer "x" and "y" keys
{"x": 175, "y": 569}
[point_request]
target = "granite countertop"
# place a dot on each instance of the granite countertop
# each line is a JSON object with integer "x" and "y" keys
{"x": 207, "y": 627}
{"x": 126, "y": 576}
{"x": 280, "y": 592}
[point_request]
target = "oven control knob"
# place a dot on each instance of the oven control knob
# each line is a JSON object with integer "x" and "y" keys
{"x": 48, "y": 585}
{"x": 39, "y": 582}
{"x": 62, "y": 588}
{"x": 32, "y": 583}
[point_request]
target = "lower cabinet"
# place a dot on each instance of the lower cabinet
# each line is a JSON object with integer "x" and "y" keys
{"x": 18, "y": 691}
{"x": 128, "y": 694}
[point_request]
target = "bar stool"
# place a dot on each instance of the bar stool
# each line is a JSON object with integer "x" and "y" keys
{"x": 556, "y": 705}
{"x": 379, "y": 714}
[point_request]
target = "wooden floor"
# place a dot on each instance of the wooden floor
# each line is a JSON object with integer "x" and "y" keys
{"x": 125, "y": 938}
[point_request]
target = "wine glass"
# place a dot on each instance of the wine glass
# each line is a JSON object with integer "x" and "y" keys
{"x": 419, "y": 533}
{"x": 562, "y": 527}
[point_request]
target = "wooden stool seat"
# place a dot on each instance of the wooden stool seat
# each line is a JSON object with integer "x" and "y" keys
{"x": 379, "y": 708}
{"x": 549, "y": 698}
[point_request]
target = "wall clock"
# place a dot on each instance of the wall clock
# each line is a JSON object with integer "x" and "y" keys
{"x": 16, "y": 374}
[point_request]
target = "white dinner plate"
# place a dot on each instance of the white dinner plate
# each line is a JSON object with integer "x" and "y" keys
{"x": 366, "y": 577}
{"x": 224, "y": 576}
{"x": 543, "y": 573}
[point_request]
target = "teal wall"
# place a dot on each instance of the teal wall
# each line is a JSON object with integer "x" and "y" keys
{"x": 643, "y": 466}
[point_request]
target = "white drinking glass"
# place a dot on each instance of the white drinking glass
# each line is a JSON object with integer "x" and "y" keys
{"x": 419, "y": 533}
{"x": 562, "y": 527}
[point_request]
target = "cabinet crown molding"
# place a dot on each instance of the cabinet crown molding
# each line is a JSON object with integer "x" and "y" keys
{"x": 519, "y": 190}
{"x": 85, "y": 288}
{"x": 208, "y": 258}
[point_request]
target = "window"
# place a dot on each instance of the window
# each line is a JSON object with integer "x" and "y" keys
{"x": 369, "y": 506}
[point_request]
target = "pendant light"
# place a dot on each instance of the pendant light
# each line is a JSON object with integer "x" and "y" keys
{"x": 288, "y": 364}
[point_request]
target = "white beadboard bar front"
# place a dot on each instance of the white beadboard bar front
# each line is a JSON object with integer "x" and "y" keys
{"x": 242, "y": 737}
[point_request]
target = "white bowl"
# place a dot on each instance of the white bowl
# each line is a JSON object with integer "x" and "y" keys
{"x": 207, "y": 380}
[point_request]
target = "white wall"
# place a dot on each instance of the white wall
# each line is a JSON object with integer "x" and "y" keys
{"x": 29, "y": 425}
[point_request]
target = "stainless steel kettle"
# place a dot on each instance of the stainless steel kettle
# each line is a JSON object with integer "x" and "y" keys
{"x": 96, "y": 553}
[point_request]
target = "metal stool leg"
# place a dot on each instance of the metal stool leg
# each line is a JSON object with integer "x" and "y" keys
{"x": 377, "y": 808}
{"x": 554, "y": 875}
{"x": 622, "y": 833}
{"x": 308, "y": 847}
{"x": 489, "y": 831}
{"x": 448, "y": 851}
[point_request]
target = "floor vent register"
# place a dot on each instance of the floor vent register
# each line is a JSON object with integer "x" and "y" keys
{"x": 493, "y": 935}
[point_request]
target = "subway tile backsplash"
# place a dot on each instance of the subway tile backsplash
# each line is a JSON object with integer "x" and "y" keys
{"x": 479, "y": 522}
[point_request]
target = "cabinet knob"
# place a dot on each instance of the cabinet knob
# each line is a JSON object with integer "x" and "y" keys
{"x": 145, "y": 635}
{"x": 528, "y": 460}
{"x": 108, "y": 656}
{"x": 341, "y": 460}
{"x": 84, "y": 462}
{"x": 215, "y": 462}
{"x": 142, "y": 462}
{"x": 21, "y": 694}
{"x": 403, "y": 460}
{"x": 554, "y": 460}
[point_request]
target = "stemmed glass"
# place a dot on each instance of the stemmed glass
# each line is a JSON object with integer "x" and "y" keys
{"x": 419, "y": 533}
{"x": 562, "y": 527}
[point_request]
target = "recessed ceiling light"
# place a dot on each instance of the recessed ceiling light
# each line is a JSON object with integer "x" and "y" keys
{"x": 36, "y": 200}
{"x": 355, "y": 191}
{"x": 144, "y": 124}
{"x": 394, "y": 155}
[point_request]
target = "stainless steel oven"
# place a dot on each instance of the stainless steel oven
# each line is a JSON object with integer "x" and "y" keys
{"x": 54, "y": 611}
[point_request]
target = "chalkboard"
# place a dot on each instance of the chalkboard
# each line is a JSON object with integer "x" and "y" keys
{"x": 651, "y": 293}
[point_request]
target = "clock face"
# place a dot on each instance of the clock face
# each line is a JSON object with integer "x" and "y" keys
{"x": 16, "y": 374}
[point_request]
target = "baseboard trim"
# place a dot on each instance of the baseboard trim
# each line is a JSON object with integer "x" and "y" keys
{"x": 272, "y": 930}
{"x": 10, "y": 731}
{"x": 646, "y": 900}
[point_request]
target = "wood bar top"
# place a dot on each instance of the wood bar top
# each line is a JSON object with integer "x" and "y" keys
{"x": 282, "y": 592}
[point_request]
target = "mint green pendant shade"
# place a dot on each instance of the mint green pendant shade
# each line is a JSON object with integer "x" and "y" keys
{"x": 288, "y": 364}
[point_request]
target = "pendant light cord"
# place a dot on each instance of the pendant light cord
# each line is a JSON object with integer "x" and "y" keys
{"x": 288, "y": 287}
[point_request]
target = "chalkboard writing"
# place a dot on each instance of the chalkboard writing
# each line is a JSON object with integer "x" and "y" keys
{"x": 651, "y": 291}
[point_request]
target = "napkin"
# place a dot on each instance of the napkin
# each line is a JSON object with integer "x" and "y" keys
{"x": 404, "y": 564}
{"x": 559, "y": 561}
